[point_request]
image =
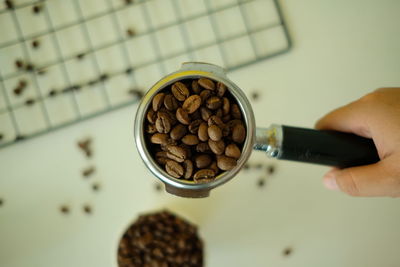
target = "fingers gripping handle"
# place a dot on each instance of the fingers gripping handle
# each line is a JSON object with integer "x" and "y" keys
{"x": 326, "y": 147}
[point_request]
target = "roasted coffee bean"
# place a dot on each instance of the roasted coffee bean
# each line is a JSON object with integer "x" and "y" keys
{"x": 171, "y": 115}
{"x": 53, "y": 92}
{"x": 204, "y": 95}
{"x": 159, "y": 138}
{"x": 161, "y": 157}
{"x": 178, "y": 132}
{"x": 103, "y": 77}
{"x": 217, "y": 147}
{"x": 80, "y": 56}
{"x": 182, "y": 116}
{"x": 213, "y": 166}
{"x": 255, "y": 95}
{"x": 163, "y": 123}
{"x": 235, "y": 111}
{"x": 232, "y": 151}
{"x": 226, "y": 106}
{"x": 150, "y": 128}
{"x": 215, "y": 120}
{"x": 9, "y": 4}
{"x": 19, "y": 64}
{"x": 226, "y": 163}
{"x": 170, "y": 102}
{"x": 232, "y": 123}
{"x": 214, "y": 102}
{"x": 85, "y": 144}
{"x": 214, "y": 132}
{"x": 176, "y": 153}
{"x": 202, "y": 161}
{"x": 190, "y": 140}
{"x": 96, "y": 187}
{"x": 174, "y": 169}
{"x": 270, "y": 169}
{"x": 206, "y": 83}
{"x": 203, "y": 132}
{"x": 287, "y": 251}
{"x": 180, "y": 91}
{"x": 135, "y": 92}
{"x": 192, "y": 103}
{"x": 194, "y": 126}
{"x": 219, "y": 113}
{"x": 221, "y": 88}
{"x": 29, "y": 67}
{"x": 226, "y": 118}
{"x": 64, "y": 209}
{"x": 203, "y": 147}
{"x": 18, "y": 90}
{"x": 37, "y": 9}
{"x": 130, "y": 32}
{"x": 30, "y": 102}
{"x": 238, "y": 133}
{"x": 35, "y": 44}
{"x": 22, "y": 83}
{"x": 195, "y": 87}
{"x": 188, "y": 169}
{"x": 158, "y": 100}
{"x": 87, "y": 209}
{"x": 168, "y": 143}
{"x": 195, "y": 115}
{"x": 128, "y": 70}
{"x": 261, "y": 182}
{"x": 205, "y": 113}
{"x": 204, "y": 176}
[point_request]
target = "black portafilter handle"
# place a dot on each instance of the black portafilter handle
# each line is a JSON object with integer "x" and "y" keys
{"x": 324, "y": 147}
{"x": 327, "y": 147}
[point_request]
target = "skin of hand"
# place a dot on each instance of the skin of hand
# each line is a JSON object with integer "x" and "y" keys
{"x": 377, "y": 116}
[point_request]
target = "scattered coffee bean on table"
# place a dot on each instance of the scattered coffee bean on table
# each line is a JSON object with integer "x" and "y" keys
{"x": 9, "y": 4}
{"x": 96, "y": 187}
{"x": 80, "y": 56}
{"x": 35, "y": 44}
{"x": 19, "y": 64}
{"x": 160, "y": 239}
{"x": 158, "y": 187}
{"x": 261, "y": 182}
{"x": 255, "y": 95}
{"x": 270, "y": 169}
{"x": 88, "y": 171}
{"x": 30, "y": 102}
{"x": 287, "y": 251}
{"x": 195, "y": 130}
{"x": 130, "y": 32}
{"x": 87, "y": 209}
{"x": 64, "y": 209}
{"x": 85, "y": 146}
{"x": 37, "y": 9}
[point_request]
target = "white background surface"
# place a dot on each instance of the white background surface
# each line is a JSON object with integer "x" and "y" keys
{"x": 342, "y": 50}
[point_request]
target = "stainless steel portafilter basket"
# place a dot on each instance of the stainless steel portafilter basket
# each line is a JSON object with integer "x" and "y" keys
{"x": 281, "y": 142}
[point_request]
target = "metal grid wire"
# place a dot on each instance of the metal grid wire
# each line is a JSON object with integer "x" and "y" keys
{"x": 66, "y": 61}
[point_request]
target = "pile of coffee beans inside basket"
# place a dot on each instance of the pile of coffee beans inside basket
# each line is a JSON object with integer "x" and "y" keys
{"x": 195, "y": 129}
{"x": 160, "y": 240}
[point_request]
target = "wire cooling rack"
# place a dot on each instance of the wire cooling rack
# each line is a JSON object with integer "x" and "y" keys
{"x": 65, "y": 61}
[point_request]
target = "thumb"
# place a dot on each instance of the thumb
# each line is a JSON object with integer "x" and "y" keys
{"x": 369, "y": 180}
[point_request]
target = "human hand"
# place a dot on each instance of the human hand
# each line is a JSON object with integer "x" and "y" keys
{"x": 376, "y": 116}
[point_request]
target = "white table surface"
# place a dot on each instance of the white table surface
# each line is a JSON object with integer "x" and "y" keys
{"x": 342, "y": 50}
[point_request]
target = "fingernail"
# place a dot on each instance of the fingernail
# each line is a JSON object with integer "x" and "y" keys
{"x": 330, "y": 181}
